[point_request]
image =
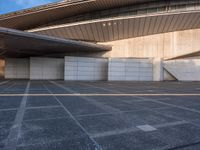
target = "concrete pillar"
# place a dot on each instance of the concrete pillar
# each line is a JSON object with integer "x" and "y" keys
{"x": 158, "y": 71}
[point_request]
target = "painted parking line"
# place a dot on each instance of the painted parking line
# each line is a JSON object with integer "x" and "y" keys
{"x": 13, "y": 136}
{"x": 97, "y": 146}
{"x": 4, "y": 82}
{"x": 168, "y": 94}
{"x": 134, "y": 129}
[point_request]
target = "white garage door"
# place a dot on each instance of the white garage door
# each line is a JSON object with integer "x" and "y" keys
{"x": 46, "y": 68}
{"x": 85, "y": 68}
{"x": 17, "y": 68}
{"x": 130, "y": 69}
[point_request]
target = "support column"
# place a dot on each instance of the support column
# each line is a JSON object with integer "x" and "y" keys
{"x": 158, "y": 71}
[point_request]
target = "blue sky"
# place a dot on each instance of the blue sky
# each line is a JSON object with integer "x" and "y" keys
{"x": 7, "y": 6}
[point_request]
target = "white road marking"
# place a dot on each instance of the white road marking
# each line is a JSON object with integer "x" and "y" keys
{"x": 96, "y": 94}
{"x": 146, "y": 128}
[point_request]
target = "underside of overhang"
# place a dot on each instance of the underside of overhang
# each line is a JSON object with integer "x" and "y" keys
{"x": 14, "y": 43}
{"x": 188, "y": 55}
{"x": 41, "y": 15}
{"x": 110, "y": 29}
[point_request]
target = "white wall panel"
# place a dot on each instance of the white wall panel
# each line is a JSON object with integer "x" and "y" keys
{"x": 17, "y": 68}
{"x": 85, "y": 68}
{"x": 184, "y": 69}
{"x": 46, "y": 68}
{"x": 130, "y": 69}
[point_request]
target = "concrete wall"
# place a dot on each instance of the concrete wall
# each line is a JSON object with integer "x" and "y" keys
{"x": 156, "y": 46}
{"x": 130, "y": 69}
{"x": 17, "y": 68}
{"x": 184, "y": 69}
{"x": 2, "y": 68}
{"x": 46, "y": 68}
{"x": 85, "y": 68}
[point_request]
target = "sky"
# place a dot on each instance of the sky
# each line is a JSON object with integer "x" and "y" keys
{"x": 7, "y": 6}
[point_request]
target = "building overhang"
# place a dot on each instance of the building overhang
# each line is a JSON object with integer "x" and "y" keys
{"x": 14, "y": 43}
{"x": 110, "y": 29}
{"x": 185, "y": 56}
{"x": 36, "y": 16}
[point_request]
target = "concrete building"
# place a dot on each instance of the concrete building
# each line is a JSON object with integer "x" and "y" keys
{"x": 114, "y": 40}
